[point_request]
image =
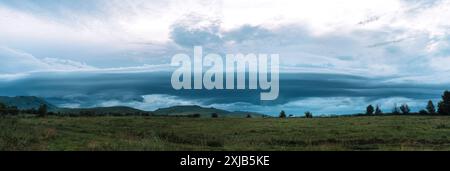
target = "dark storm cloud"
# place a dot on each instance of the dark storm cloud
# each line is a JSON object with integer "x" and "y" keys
{"x": 90, "y": 89}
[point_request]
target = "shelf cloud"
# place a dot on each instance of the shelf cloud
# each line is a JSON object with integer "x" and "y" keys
{"x": 374, "y": 49}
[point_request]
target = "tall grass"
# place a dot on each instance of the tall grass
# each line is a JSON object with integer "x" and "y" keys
{"x": 160, "y": 133}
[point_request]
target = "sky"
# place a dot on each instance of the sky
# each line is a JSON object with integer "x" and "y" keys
{"x": 336, "y": 56}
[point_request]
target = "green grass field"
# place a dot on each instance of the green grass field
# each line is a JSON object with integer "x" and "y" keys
{"x": 159, "y": 133}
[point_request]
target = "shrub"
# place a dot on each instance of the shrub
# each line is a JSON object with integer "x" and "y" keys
{"x": 194, "y": 115}
{"x": 423, "y": 112}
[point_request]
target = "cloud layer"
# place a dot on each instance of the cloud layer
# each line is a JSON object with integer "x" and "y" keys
{"x": 380, "y": 38}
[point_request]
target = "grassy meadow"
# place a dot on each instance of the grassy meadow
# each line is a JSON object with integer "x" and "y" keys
{"x": 52, "y": 133}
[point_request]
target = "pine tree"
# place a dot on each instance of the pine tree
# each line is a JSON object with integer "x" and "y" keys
{"x": 378, "y": 110}
{"x": 444, "y": 105}
{"x": 430, "y": 107}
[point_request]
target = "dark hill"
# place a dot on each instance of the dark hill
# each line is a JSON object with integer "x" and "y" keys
{"x": 115, "y": 110}
{"x": 201, "y": 111}
{"x": 189, "y": 110}
{"x": 26, "y": 102}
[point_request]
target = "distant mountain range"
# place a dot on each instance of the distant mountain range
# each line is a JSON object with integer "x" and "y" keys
{"x": 31, "y": 102}
{"x": 26, "y": 102}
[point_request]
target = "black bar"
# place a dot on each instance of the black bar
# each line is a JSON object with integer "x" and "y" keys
{"x": 136, "y": 160}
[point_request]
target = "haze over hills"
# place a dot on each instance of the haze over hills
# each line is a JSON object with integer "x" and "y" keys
{"x": 114, "y": 110}
{"x": 31, "y": 102}
{"x": 201, "y": 111}
{"x": 189, "y": 110}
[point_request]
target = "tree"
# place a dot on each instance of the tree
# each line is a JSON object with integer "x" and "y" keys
{"x": 369, "y": 110}
{"x": 405, "y": 109}
{"x": 395, "y": 110}
{"x": 282, "y": 114}
{"x": 308, "y": 114}
{"x": 42, "y": 111}
{"x": 430, "y": 107}
{"x": 249, "y": 116}
{"x": 444, "y": 105}
{"x": 378, "y": 110}
{"x": 214, "y": 115}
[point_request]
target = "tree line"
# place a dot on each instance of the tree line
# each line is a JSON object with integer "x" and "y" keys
{"x": 308, "y": 114}
{"x": 443, "y": 108}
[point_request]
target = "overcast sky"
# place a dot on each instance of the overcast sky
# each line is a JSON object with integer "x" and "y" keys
{"x": 395, "y": 42}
